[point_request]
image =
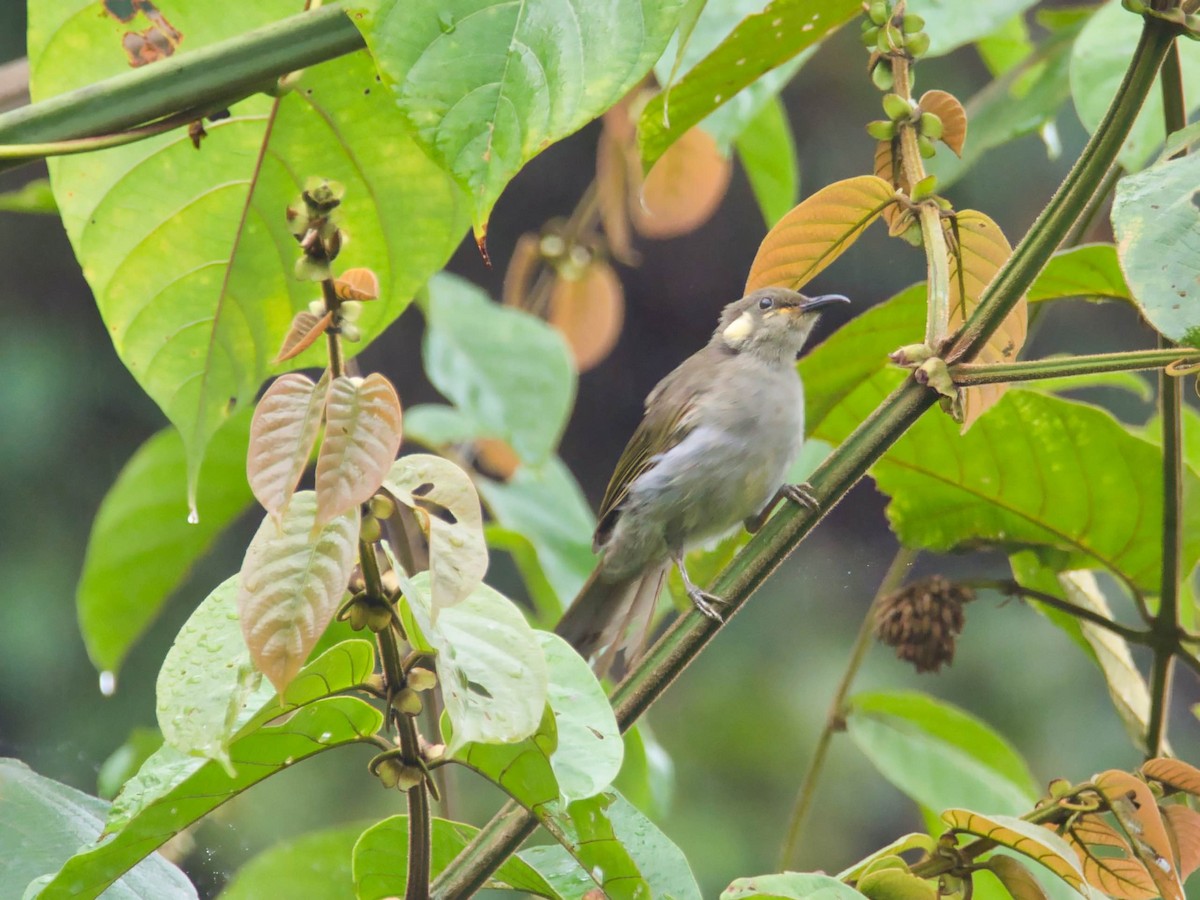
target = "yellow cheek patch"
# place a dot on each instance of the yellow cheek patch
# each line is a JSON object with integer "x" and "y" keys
{"x": 739, "y": 329}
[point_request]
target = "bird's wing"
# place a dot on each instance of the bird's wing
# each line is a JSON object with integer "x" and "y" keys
{"x": 669, "y": 409}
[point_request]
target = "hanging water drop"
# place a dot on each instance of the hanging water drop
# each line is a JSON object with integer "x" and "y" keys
{"x": 108, "y": 683}
{"x": 193, "y": 516}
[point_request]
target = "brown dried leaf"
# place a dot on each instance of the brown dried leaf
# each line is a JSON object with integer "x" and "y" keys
{"x": 979, "y": 248}
{"x": 518, "y": 277}
{"x": 292, "y": 580}
{"x": 1134, "y": 806}
{"x": 305, "y": 329}
{"x": 1017, "y": 879}
{"x": 954, "y": 118}
{"x": 1174, "y": 774}
{"x": 1183, "y": 828}
{"x": 887, "y": 167}
{"x": 357, "y": 284}
{"x": 684, "y": 188}
{"x": 282, "y": 434}
{"x": 818, "y": 231}
{"x": 1029, "y": 840}
{"x": 589, "y": 311}
{"x": 362, "y": 435}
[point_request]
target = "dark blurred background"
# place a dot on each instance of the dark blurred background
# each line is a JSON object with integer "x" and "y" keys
{"x": 739, "y": 727}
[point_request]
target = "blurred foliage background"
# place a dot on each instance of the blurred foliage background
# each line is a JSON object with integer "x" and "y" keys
{"x": 737, "y": 730}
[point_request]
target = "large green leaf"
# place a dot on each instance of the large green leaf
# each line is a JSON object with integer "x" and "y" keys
{"x": 768, "y": 154}
{"x": 1157, "y": 225}
{"x": 316, "y": 865}
{"x": 951, "y": 24}
{"x": 1098, "y": 62}
{"x": 188, "y": 252}
{"x": 381, "y": 860}
{"x": 1089, "y": 270}
{"x": 322, "y": 725}
{"x": 490, "y": 360}
{"x": 43, "y": 821}
{"x": 790, "y": 886}
{"x": 938, "y": 755}
{"x": 142, "y": 545}
{"x": 759, "y": 43}
{"x": 486, "y": 85}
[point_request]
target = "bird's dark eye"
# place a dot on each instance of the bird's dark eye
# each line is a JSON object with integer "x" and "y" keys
{"x": 766, "y": 303}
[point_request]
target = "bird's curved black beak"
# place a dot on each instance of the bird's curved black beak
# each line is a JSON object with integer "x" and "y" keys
{"x": 812, "y": 303}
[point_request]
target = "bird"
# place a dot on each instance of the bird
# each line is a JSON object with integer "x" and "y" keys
{"x": 712, "y": 451}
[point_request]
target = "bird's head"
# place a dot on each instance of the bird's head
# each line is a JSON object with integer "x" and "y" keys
{"x": 771, "y": 322}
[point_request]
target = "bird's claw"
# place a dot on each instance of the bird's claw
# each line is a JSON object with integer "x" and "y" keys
{"x": 707, "y": 603}
{"x": 802, "y": 494}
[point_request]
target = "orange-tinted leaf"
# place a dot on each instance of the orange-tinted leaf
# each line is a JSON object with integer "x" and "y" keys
{"x": 518, "y": 277}
{"x": 684, "y": 188}
{"x": 1033, "y": 841}
{"x": 1173, "y": 773}
{"x": 589, "y": 312}
{"x": 954, "y": 118}
{"x": 282, "y": 434}
{"x": 1095, "y": 831}
{"x": 305, "y": 329}
{"x": 1134, "y": 806}
{"x": 292, "y": 580}
{"x": 357, "y": 284}
{"x": 887, "y": 167}
{"x": 1183, "y": 828}
{"x": 979, "y": 248}
{"x": 618, "y": 176}
{"x": 1017, "y": 879}
{"x": 818, "y": 231}
{"x": 496, "y": 458}
{"x": 362, "y": 435}
{"x": 1117, "y": 874}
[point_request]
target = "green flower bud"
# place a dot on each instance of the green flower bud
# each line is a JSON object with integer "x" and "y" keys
{"x": 897, "y": 108}
{"x": 870, "y": 36}
{"x": 379, "y": 618}
{"x": 382, "y": 506}
{"x": 930, "y": 126}
{"x": 351, "y": 332}
{"x": 912, "y": 23}
{"x": 350, "y": 310}
{"x": 878, "y": 11}
{"x": 895, "y": 37}
{"x": 1134, "y": 6}
{"x": 917, "y": 43}
{"x": 369, "y": 530}
{"x": 317, "y": 308}
{"x": 881, "y": 129}
{"x": 408, "y": 702}
{"x": 420, "y": 679}
{"x": 881, "y": 75}
{"x": 927, "y": 149}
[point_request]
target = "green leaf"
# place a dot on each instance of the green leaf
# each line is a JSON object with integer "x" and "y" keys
{"x": 1091, "y": 271}
{"x": 381, "y": 860}
{"x": 1005, "y": 47}
{"x": 32, "y": 197}
{"x": 950, "y": 24}
{"x": 142, "y": 546}
{"x": 293, "y": 577}
{"x": 323, "y": 725}
{"x": 42, "y": 820}
{"x": 316, "y": 865}
{"x": 939, "y": 755}
{"x": 490, "y": 359}
{"x": 547, "y": 608}
{"x": 1098, "y": 61}
{"x": 1157, "y": 225}
{"x": 1033, "y": 841}
{"x": 124, "y": 762}
{"x": 490, "y": 664}
{"x": 436, "y": 425}
{"x": 547, "y": 506}
{"x": 790, "y": 886}
{"x": 768, "y": 153}
{"x": 486, "y": 85}
{"x": 188, "y": 252}
{"x": 758, "y": 44}
{"x": 208, "y": 687}
{"x": 625, "y": 853}
{"x": 647, "y": 776}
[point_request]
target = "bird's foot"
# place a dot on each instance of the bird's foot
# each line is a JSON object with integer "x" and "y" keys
{"x": 802, "y": 494}
{"x": 707, "y": 603}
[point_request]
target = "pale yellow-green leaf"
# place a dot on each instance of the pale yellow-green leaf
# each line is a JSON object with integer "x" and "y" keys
{"x": 818, "y": 231}
{"x": 447, "y": 505}
{"x": 362, "y": 435}
{"x": 293, "y": 578}
{"x": 282, "y": 435}
{"x": 1030, "y": 840}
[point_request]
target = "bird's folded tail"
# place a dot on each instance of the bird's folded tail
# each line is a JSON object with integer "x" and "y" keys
{"x": 612, "y": 618}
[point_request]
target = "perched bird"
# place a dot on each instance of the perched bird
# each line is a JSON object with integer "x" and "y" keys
{"x": 716, "y": 441}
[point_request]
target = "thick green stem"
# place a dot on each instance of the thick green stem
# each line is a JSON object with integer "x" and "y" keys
{"x": 969, "y": 374}
{"x": 211, "y": 77}
{"x": 1166, "y": 621}
{"x": 835, "y": 718}
{"x": 671, "y": 654}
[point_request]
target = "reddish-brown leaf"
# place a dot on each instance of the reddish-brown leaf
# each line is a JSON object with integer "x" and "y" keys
{"x": 305, "y": 329}
{"x": 282, "y": 434}
{"x": 518, "y": 277}
{"x": 618, "y": 178}
{"x": 887, "y": 167}
{"x": 1183, "y": 828}
{"x": 1017, "y": 879}
{"x": 818, "y": 231}
{"x": 954, "y": 118}
{"x": 1094, "y": 830}
{"x": 589, "y": 311}
{"x": 684, "y": 188}
{"x": 1117, "y": 874}
{"x": 1173, "y": 773}
{"x": 362, "y": 435}
{"x": 357, "y": 284}
{"x": 979, "y": 248}
{"x": 1134, "y": 806}
{"x": 496, "y": 458}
